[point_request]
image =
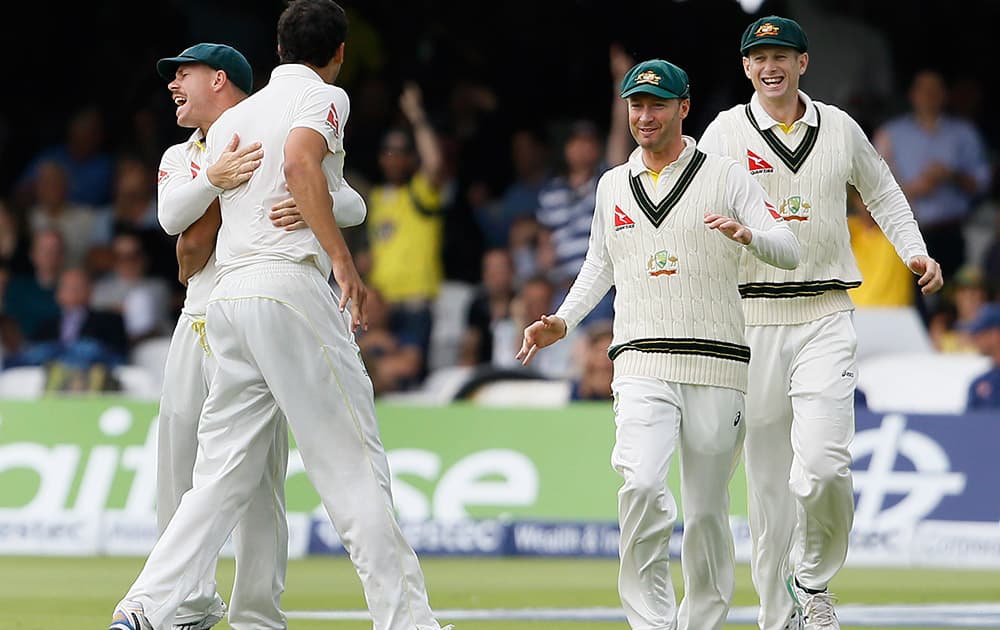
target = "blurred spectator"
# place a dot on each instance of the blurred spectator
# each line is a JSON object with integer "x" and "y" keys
{"x": 31, "y": 296}
{"x": 984, "y": 392}
{"x": 991, "y": 264}
{"x": 525, "y": 242}
{"x": 490, "y": 304}
{"x": 941, "y": 164}
{"x": 566, "y": 203}
{"x": 14, "y": 241}
{"x": 529, "y": 158}
{"x": 143, "y": 301}
{"x": 477, "y": 171}
{"x": 79, "y": 336}
{"x": 133, "y": 210}
{"x": 405, "y": 223}
{"x": 597, "y": 370}
{"x": 859, "y": 78}
{"x": 394, "y": 361}
{"x": 965, "y": 294}
{"x": 10, "y": 333}
{"x": 536, "y": 297}
{"x": 89, "y": 168}
{"x": 54, "y": 209}
{"x": 886, "y": 280}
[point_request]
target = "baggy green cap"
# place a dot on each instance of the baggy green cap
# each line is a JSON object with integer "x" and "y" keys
{"x": 657, "y": 77}
{"x": 215, "y": 56}
{"x": 774, "y": 31}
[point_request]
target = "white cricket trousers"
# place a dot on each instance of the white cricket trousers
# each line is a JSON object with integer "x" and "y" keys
{"x": 260, "y": 540}
{"x": 800, "y": 423}
{"x": 280, "y": 342}
{"x": 654, "y": 418}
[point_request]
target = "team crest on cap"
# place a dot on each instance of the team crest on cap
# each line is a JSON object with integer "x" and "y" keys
{"x": 649, "y": 77}
{"x": 766, "y": 30}
{"x": 662, "y": 263}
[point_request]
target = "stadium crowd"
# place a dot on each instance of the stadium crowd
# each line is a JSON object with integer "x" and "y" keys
{"x": 479, "y": 209}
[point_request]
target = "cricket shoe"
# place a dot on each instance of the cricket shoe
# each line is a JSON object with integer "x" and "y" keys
{"x": 211, "y": 618}
{"x": 129, "y": 619}
{"x": 816, "y": 609}
{"x": 794, "y": 621}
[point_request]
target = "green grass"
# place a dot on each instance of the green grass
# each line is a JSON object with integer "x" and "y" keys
{"x": 80, "y": 593}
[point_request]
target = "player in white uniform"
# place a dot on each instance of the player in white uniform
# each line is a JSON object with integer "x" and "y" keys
{"x": 680, "y": 359}
{"x": 205, "y": 80}
{"x": 803, "y": 370}
{"x": 283, "y": 340}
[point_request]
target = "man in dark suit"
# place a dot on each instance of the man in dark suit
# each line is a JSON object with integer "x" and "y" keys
{"x": 80, "y": 336}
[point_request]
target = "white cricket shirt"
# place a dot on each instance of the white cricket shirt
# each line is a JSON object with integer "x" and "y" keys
{"x": 295, "y": 97}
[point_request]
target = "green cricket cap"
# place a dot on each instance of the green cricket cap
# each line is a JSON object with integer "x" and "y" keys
{"x": 774, "y": 31}
{"x": 215, "y": 56}
{"x": 657, "y": 77}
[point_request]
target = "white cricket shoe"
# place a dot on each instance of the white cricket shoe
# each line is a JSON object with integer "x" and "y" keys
{"x": 211, "y": 618}
{"x": 129, "y": 618}
{"x": 794, "y": 620}
{"x": 816, "y": 609}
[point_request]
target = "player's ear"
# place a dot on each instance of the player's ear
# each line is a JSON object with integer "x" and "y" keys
{"x": 339, "y": 56}
{"x": 746, "y": 67}
{"x": 803, "y": 63}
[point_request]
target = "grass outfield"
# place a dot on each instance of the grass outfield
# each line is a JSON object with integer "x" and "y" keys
{"x": 80, "y": 593}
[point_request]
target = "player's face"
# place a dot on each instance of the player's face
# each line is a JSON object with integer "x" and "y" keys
{"x": 775, "y": 70}
{"x": 654, "y": 121}
{"x": 190, "y": 92}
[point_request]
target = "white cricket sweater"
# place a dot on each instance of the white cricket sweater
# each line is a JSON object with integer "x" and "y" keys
{"x": 677, "y": 304}
{"x": 806, "y": 173}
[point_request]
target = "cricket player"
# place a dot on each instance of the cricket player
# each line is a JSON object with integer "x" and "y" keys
{"x": 205, "y": 80}
{"x": 803, "y": 367}
{"x": 668, "y": 230}
{"x": 283, "y": 340}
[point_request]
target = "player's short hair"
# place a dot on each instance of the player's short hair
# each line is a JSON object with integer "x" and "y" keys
{"x": 311, "y": 31}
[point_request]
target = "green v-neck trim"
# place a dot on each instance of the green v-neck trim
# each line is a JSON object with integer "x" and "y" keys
{"x": 656, "y": 213}
{"x": 792, "y": 159}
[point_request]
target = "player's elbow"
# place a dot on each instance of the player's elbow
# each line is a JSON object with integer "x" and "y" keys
{"x": 169, "y": 223}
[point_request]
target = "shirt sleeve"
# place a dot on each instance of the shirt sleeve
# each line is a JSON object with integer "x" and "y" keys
{"x": 711, "y": 139}
{"x": 349, "y": 206}
{"x": 773, "y": 242}
{"x": 183, "y": 194}
{"x": 324, "y": 109}
{"x": 597, "y": 272}
{"x": 883, "y": 197}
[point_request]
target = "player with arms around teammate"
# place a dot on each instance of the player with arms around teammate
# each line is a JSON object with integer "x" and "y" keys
{"x": 205, "y": 80}
{"x": 669, "y": 227}
{"x": 803, "y": 370}
{"x": 283, "y": 340}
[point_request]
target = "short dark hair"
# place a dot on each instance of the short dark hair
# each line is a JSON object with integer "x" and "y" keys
{"x": 311, "y": 31}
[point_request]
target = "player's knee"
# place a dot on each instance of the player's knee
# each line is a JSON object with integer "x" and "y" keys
{"x": 647, "y": 490}
{"x": 826, "y": 467}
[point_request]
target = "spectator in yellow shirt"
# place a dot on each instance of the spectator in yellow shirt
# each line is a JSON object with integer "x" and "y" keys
{"x": 886, "y": 280}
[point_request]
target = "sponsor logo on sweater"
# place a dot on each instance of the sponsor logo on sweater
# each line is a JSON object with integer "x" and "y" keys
{"x": 757, "y": 165}
{"x": 622, "y": 220}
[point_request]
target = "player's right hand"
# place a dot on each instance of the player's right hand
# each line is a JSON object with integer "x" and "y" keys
{"x": 285, "y": 215}
{"x": 235, "y": 166}
{"x": 352, "y": 291}
{"x": 544, "y": 332}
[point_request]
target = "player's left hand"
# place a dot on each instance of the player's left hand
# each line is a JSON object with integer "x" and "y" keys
{"x": 285, "y": 215}
{"x": 931, "y": 280}
{"x": 732, "y": 228}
